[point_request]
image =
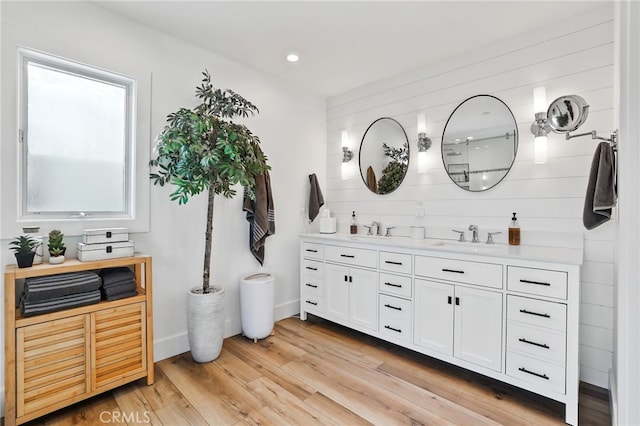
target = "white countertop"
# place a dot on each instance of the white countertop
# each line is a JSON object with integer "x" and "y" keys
{"x": 571, "y": 256}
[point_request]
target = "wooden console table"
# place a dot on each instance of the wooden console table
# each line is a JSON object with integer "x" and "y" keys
{"x": 57, "y": 359}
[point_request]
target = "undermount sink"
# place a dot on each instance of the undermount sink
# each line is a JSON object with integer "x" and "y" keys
{"x": 475, "y": 247}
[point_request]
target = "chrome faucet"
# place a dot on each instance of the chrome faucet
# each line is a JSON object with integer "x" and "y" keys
{"x": 474, "y": 230}
{"x": 378, "y": 228}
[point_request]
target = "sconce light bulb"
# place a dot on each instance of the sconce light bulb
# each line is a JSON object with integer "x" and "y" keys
{"x": 422, "y": 161}
{"x": 345, "y": 139}
{"x": 540, "y": 150}
{"x": 422, "y": 123}
{"x": 540, "y": 99}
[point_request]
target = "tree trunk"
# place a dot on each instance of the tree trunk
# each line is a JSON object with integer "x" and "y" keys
{"x": 208, "y": 241}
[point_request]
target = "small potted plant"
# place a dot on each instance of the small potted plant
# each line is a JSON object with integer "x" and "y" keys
{"x": 56, "y": 247}
{"x": 24, "y": 248}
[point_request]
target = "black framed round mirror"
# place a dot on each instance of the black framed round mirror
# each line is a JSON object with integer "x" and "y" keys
{"x": 479, "y": 143}
{"x": 384, "y": 156}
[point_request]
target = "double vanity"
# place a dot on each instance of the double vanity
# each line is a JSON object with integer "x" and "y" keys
{"x": 507, "y": 312}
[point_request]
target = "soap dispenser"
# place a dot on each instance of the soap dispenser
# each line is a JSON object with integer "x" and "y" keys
{"x": 354, "y": 225}
{"x": 514, "y": 231}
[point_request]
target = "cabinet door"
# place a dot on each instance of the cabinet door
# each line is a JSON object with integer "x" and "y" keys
{"x": 433, "y": 312}
{"x": 337, "y": 292}
{"x": 478, "y": 327}
{"x": 52, "y": 363}
{"x": 119, "y": 344}
{"x": 363, "y": 298}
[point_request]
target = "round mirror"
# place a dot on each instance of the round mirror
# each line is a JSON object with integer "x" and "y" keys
{"x": 567, "y": 113}
{"x": 384, "y": 155}
{"x": 479, "y": 143}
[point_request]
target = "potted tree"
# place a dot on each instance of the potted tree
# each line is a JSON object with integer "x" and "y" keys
{"x": 202, "y": 149}
{"x": 56, "y": 247}
{"x": 24, "y": 248}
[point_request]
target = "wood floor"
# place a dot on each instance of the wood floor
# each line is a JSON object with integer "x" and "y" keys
{"x": 316, "y": 372}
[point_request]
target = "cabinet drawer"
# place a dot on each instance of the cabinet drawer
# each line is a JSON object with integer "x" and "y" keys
{"x": 312, "y": 284}
{"x": 312, "y": 268}
{"x": 484, "y": 274}
{"x": 537, "y": 281}
{"x": 537, "y": 342}
{"x": 399, "y": 285}
{"x": 351, "y": 256}
{"x": 540, "y": 373}
{"x": 395, "y": 262}
{"x": 537, "y": 312}
{"x": 395, "y": 317}
{"x": 313, "y": 250}
{"x": 312, "y": 303}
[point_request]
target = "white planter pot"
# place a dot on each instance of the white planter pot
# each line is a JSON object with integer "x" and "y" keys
{"x": 206, "y": 323}
{"x": 56, "y": 260}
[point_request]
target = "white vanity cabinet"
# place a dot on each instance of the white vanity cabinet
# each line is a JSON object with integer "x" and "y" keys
{"x": 510, "y": 313}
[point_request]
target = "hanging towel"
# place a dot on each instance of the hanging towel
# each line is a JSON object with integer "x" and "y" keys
{"x": 372, "y": 183}
{"x": 601, "y": 189}
{"x": 260, "y": 215}
{"x": 316, "y": 200}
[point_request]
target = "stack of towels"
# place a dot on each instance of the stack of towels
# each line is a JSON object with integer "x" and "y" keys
{"x": 118, "y": 283}
{"x": 62, "y": 291}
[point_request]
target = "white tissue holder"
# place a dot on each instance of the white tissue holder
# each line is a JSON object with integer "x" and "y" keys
{"x": 417, "y": 232}
{"x": 328, "y": 225}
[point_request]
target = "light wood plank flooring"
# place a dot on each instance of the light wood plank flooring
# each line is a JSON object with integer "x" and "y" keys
{"x": 316, "y": 372}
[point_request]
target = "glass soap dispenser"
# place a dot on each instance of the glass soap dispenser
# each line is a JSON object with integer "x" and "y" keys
{"x": 354, "y": 225}
{"x": 514, "y": 231}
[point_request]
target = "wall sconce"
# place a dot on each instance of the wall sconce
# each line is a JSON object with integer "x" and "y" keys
{"x": 540, "y": 127}
{"x": 424, "y": 143}
{"x": 347, "y": 154}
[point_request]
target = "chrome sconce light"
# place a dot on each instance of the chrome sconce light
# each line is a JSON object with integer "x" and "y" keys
{"x": 347, "y": 154}
{"x": 540, "y": 127}
{"x": 424, "y": 143}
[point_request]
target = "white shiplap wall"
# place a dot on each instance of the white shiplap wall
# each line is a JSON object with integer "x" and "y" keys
{"x": 572, "y": 57}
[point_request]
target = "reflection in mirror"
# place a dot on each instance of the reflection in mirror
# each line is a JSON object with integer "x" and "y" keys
{"x": 567, "y": 113}
{"x": 384, "y": 155}
{"x": 479, "y": 143}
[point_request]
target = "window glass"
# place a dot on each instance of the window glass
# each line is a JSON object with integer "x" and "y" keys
{"x": 76, "y": 137}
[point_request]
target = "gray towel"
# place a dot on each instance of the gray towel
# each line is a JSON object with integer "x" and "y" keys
{"x": 110, "y": 275}
{"x": 54, "y": 286}
{"x": 601, "y": 189}
{"x": 316, "y": 200}
{"x": 260, "y": 215}
{"x": 59, "y": 303}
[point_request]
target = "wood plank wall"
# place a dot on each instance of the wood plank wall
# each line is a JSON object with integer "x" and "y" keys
{"x": 570, "y": 57}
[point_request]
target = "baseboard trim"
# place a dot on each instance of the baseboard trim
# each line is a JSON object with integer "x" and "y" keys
{"x": 613, "y": 397}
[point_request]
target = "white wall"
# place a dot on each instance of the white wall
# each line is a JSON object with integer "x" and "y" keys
{"x": 291, "y": 126}
{"x": 571, "y": 57}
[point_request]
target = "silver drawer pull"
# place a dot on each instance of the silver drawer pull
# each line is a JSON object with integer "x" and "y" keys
{"x": 391, "y": 262}
{"x": 452, "y": 270}
{"x": 542, "y": 345}
{"x": 350, "y": 256}
{"x": 535, "y": 282}
{"x": 397, "y": 330}
{"x": 393, "y": 285}
{"x": 312, "y": 303}
{"x": 542, "y": 376}
{"x": 311, "y": 285}
{"x": 524, "y": 311}
{"x": 392, "y": 307}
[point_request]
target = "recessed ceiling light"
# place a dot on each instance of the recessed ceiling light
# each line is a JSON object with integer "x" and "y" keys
{"x": 292, "y": 57}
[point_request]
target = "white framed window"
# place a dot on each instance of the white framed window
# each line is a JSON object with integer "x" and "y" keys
{"x": 77, "y": 140}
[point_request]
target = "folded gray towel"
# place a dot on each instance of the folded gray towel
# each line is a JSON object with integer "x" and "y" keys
{"x": 110, "y": 275}
{"x": 120, "y": 288}
{"x": 316, "y": 200}
{"x": 601, "y": 188}
{"x": 54, "y": 286}
{"x": 60, "y": 303}
{"x": 121, "y": 295}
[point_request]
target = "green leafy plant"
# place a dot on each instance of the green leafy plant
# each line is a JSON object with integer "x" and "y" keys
{"x": 396, "y": 169}
{"x": 202, "y": 149}
{"x": 55, "y": 244}
{"x": 23, "y": 244}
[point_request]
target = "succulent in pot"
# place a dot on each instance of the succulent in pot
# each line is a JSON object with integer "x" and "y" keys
{"x": 56, "y": 246}
{"x": 24, "y": 248}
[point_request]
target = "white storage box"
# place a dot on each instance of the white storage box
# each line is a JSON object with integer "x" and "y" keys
{"x": 105, "y": 235}
{"x": 89, "y": 252}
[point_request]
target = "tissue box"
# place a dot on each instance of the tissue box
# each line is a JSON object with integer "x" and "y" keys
{"x": 328, "y": 225}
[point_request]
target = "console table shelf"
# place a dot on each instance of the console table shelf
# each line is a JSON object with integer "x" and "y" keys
{"x": 56, "y": 359}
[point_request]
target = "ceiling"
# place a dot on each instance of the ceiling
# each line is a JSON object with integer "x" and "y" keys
{"x": 343, "y": 44}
